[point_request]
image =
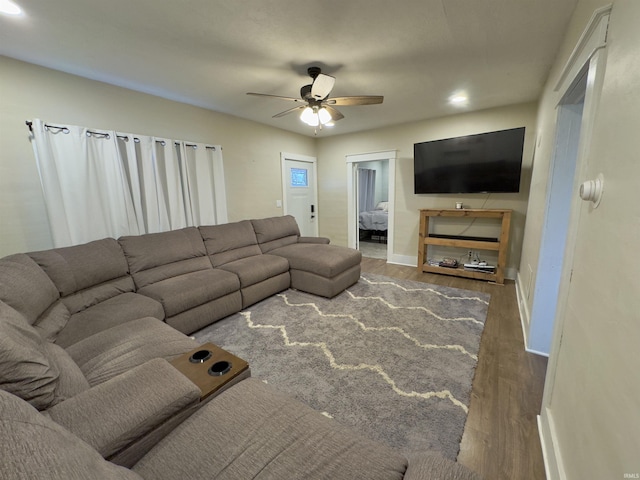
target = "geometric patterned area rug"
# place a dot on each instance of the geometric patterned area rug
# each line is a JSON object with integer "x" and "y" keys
{"x": 392, "y": 359}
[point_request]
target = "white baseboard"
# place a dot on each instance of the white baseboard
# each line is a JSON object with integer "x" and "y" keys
{"x": 553, "y": 465}
{"x": 525, "y": 317}
{"x": 523, "y": 309}
{"x": 510, "y": 273}
{"x": 406, "y": 260}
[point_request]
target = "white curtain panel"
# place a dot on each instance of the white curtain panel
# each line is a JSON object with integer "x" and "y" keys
{"x": 159, "y": 185}
{"x": 202, "y": 169}
{"x": 127, "y": 149}
{"x": 84, "y": 183}
{"x": 366, "y": 189}
{"x": 108, "y": 184}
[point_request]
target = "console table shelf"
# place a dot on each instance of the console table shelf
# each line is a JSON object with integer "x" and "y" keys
{"x": 499, "y": 244}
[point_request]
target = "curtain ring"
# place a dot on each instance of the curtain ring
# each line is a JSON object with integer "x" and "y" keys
{"x": 98, "y": 134}
{"x": 59, "y": 129}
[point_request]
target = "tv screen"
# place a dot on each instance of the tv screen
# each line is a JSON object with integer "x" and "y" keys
{"x": 483, "y": 163}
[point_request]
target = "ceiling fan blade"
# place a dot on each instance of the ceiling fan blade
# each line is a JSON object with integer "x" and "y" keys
{"x": 291, "y": 110}
{"x": 291, "y": 99}
{"x": 322, "y": 86}
{"x": 355, "y": 100}
{"x": 335, "y": 114}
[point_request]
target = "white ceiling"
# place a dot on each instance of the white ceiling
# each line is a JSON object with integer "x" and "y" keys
{"x": 416, "y": 53}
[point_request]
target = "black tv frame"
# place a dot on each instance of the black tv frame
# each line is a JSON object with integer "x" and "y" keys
{"x": 488, "y": 162}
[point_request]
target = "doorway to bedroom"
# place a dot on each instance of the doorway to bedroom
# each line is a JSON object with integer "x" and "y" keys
{"x": 370, "y": 211}
{"x": 373, "y": 208}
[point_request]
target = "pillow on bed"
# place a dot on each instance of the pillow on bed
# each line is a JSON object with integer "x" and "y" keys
{"x": 384, "y": 206}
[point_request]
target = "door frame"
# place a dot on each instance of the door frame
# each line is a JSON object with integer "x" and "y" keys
{"x": 589, "y": 54}
{"x": 284, "y": 156}
{"x": 352, "y": 162}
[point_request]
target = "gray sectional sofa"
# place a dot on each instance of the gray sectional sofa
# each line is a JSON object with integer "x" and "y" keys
{"x": 87, "y": 389}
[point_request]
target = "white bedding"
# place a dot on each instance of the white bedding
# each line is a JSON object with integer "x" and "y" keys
{"x": 374, "y": 220}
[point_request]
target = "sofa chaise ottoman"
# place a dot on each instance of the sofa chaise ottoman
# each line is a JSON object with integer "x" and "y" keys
{"x": 315, "y": 267}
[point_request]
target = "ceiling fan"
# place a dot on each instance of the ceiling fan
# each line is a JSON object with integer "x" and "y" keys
{"x": 317, "y": 109}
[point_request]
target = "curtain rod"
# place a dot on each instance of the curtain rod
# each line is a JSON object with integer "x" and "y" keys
{"x": 106, "y": 135}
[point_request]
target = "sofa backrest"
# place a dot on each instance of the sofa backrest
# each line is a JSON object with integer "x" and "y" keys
{"x": 87, "y": 274}
{"x": 154, "y": 257}
{"x": 276, "y": 232}
{"x": 229, "y": 242}
{"x": 34, "y": 446}
{"x": 26, "y": 287}
{"x": 37, "y": 371}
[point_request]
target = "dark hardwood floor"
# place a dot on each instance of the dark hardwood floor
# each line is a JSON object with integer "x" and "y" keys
{"x": 500, "y": 439}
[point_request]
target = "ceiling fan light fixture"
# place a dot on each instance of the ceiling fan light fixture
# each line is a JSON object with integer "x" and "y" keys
{"x": 8, "y": 7}
{"x": 310, "y": 117}
{"x": 317, "y": 109}
{"x": 324, "y": 116}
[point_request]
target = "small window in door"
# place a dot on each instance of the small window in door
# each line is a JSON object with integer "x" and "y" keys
{"x": 299, "y": 177}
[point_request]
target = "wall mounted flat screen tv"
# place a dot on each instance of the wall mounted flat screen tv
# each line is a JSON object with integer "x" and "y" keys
{"x": 483, "y": 163}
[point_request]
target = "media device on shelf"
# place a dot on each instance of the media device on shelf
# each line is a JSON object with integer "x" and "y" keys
{"x": 483, "y": 163}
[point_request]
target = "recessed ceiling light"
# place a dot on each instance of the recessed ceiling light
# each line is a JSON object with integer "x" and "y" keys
{"x": 7, "y": 7}
{"x": 459, "y": 99}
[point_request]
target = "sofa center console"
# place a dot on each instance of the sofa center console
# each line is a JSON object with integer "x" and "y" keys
{"x": 212, "y": 369}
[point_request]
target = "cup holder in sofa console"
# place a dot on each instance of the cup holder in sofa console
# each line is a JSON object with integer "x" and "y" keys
{"x": 219, "y": 368}
{"x": 200, "y": 356}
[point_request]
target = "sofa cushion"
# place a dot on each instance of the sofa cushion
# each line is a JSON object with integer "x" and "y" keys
{"x": 71, "y": 381}
{"x": 114, "y": 311}
{"x": 26, "y": 371}
{"x": 276, "y": 232}
{"x": 323, "y": 286}
{"x": 256, "y": 269}
{"x": 157, "y": 256}
{"x": 230, "y": 242}
{"x": 199, "y": 317}
{"x": 324, "y": 260}
{"x": 112, "y": 415}
{"x": 52, "y": 321}
{"x": 253, "y": 431}
{"x": 79, "y": 267}
{"x": 34, "y": 446}
{"x": 25, "y": 286}
{"x": 114, "y": 351}
{"x": 181, "y": 293}
{"x": 84, "y": 299}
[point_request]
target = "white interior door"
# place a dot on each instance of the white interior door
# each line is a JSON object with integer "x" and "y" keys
{"x": 300, "y": 191}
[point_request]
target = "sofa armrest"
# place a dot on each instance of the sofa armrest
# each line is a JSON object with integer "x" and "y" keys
{"x": 323, "y": 240}
{"x": 113, "y": 414}
{"x": 432, "y": 466}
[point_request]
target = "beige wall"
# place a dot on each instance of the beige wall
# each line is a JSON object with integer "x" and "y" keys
{"x": 251, "y": 151}
{"x": 251, "y": 154}
{"x": 332, "y": 173}
{"x": 592, "y": 395}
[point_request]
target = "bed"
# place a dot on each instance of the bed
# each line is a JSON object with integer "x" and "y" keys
{"x": 374, "y": 222}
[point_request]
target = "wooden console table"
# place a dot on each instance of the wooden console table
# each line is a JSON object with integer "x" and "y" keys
{"x": 500, "y": 244}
